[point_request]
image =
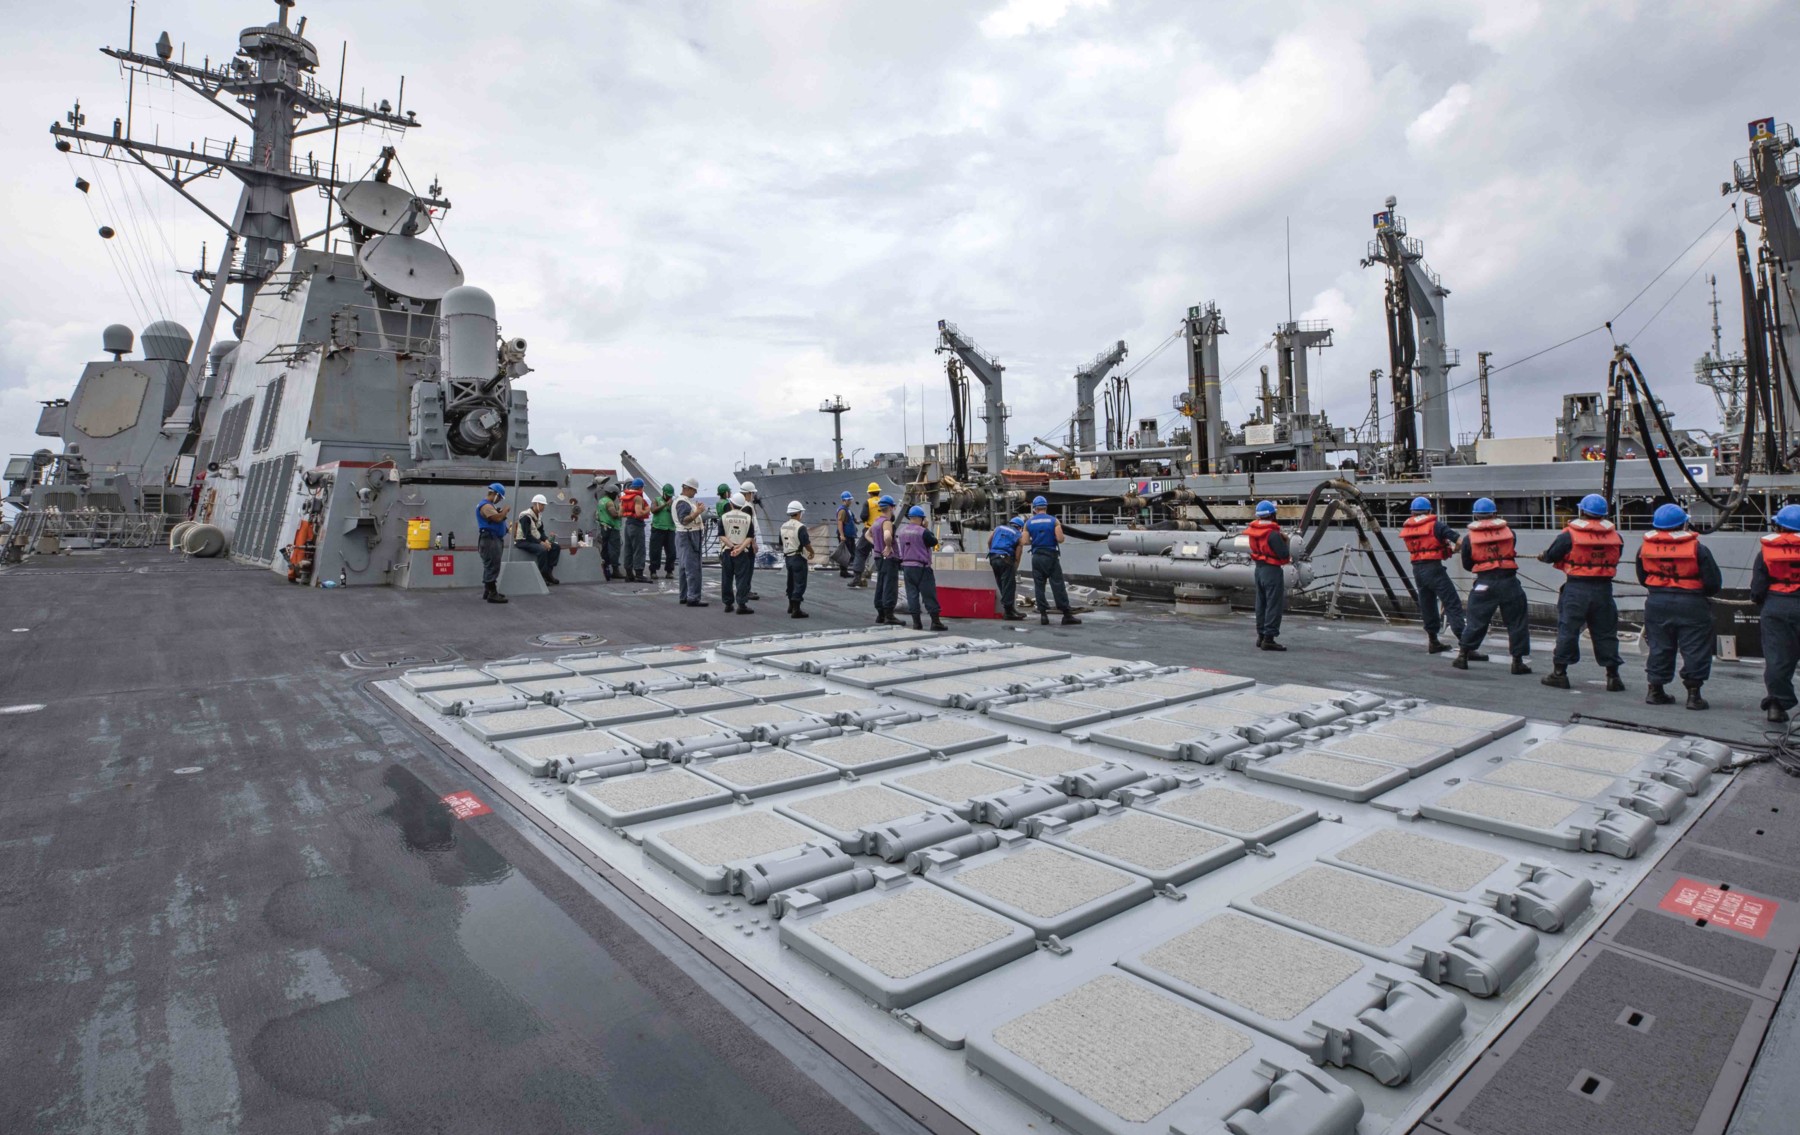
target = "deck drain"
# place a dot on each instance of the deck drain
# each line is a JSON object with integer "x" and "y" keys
{"x": 1590, "y": 1087}
{"x": 565, "y": 639}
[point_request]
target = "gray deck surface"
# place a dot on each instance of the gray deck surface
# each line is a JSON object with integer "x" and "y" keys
{"x": 299, "y": 937}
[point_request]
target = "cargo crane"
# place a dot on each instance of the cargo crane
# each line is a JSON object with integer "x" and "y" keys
{"x": 987, "y": 368}
{"x": 1199, "y": 403}
{"x": 1087, "y": 380}
{"x": 1418, "y": 361}
{"x": 1767, "y": 177}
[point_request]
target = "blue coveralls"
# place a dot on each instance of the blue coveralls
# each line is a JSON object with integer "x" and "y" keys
{"x": 1436, "y": 589}
{"x": 887, "y": 566}
{"x": 1003, "y": 557}
{"x": 1583, "y": 603}
{"x": 1677, "y": 619}
{"x": 1496, "y": 589}
{"x": 1780, "y": 635}
{"x": 1046, "y": 562}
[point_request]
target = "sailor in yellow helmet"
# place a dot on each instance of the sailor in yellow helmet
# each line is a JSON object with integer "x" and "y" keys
{"x": 871, "y": 511}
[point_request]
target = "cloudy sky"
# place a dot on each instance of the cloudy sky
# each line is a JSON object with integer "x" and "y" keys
{"x": 709, "y": 217}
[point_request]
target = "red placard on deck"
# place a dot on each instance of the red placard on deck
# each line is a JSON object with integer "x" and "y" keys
{"x": 443, "y": 565}
{"x": 465, "y": 805}
{"x": 1734, "y": 910}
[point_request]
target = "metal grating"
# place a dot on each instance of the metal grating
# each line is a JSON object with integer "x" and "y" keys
{"x": 232, "y": 426}
{"x": 262, "y": 509}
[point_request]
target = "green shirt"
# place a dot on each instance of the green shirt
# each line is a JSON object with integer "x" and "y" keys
{"x": 662, "y": 514}
{"x": 607, "y": 514}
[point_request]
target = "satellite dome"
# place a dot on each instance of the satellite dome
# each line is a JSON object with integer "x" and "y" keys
{"x": 220, "y": 349}
{"x": 466, "y": 299}
{"x": 116, "y": 340}
{"x": 167, "y": 341}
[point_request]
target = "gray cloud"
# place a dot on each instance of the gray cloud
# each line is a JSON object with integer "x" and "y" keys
{"x": 708, "y": 217}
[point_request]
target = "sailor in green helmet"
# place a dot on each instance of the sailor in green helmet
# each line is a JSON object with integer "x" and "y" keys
{"x": 662, "y": 534}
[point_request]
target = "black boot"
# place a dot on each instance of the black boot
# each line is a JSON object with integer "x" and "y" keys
{"x": 918, "y": 623}
{"x": 730, "y": 608}
{"x": 1614, "y": 683}
{"x": 1657, "y": 695}
{"x": 1557, "y": 678}
{"x": 1776, "y": 714}
{"x": 1270, "y": 643}
{"x": 551, "y": 580}
{"x": 1477, "y": 656}
{"x": 1461, "y": 661}
{"x": 1695, "y": 701}
{"x": 1260, "y": 639}
{"x": 743, "y": 608}
{"x": 937, "y": 624}
{"x": 1044, "y": 618}
{"x": 1433, "y": 646}
{"x": 493, "y": 594}
{"x": 1012, "y": 615}
{"x": 1069, "y": 619}
{"x": 1519, "y": 667}
{"x": 794, "y": 611}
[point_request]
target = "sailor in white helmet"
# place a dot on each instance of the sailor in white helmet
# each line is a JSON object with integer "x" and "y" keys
{"x": 690, "y": 541}
{"x": 737, "y": 554}
{"x": 535, "y": 537}
{"x": 797, "y": 552}
{"x": 748, "y": 489}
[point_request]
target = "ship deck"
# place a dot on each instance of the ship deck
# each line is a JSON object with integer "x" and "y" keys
{"x": 236, "y": 900}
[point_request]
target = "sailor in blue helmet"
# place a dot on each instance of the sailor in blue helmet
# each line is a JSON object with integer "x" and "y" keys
{"x": 1587, "y": 551}
{"x": 1044, "y": 533}
{"x": 1678, "y": 574}
{"x": 884, "y": 554}
{"x": 1430, "y": 542}
{"x": 846, "y": 530}
{"x": 916, "y": 542}
{"x": 1490, "y": 551}
{"x": 1775, "y": 589}
{"x": 1270, "y": 551}
{"x": 1005, "y": 548}
{"x": 490, "y": 524}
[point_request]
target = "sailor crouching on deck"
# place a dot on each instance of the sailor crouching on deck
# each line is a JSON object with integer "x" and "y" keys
{"x": 490, "y": 524}
{"x": 1430, "y": 541}
{"x": 797, "y": 553}
{"x": 1680, "y": 575}
{"x": 737, "y": 554}
{"x": 690, "y": 541}
{"x": 1775, "y": 589}
{"x": 1587, "y": 551}
{"x": 1269, "y": 549}
{"x": 536, "y": 539}
{"x": 1490, "y": 552}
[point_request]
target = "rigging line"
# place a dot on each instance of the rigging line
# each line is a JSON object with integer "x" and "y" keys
{"x": 429, "y": 215}
{"x": 133, "y": 234}
{"x": 1155, "y": 351}
{"x": 112, "y": 254}
{"x": 121, "y": 261}
{"x": 1492, "y": 371}
{"x": 1683, "y": 285}
{"x": 1728, "y": 210}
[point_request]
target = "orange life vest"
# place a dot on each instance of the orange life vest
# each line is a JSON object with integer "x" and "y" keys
{"x": 1595, "y": 551}
{"x": 1259, "y": 532}
{"x": 1422, "y": 543}
{"x": 1671, "y": 559}
{"x": 1781, "y": 555}
{"x": 1491, "y": 546}
{"x": 632, "y": 504}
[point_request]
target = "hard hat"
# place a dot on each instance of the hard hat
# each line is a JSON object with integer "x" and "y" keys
{"x": 873, "y": 487}
{"x": 1265, "y": 508}
{"x": 1039, "y": 502}
{"x": 724, "y": 490}
{"x": 738, "y": 500}
{"x": 1017, "y": 522}
{"x": 1593, "y": 504}
{"x": 746, "y": 486}
{"x": 1420, "y": 504}
{"x": 668, "y": 490}
{"x": 845, "y": 495}
{"x": 691, "y": 483}
{"x": 795, "y": 506}
{"x": 1485, "y": 507}
{"x": 540, "y": 499}
{"x": 1669, "y": 516}
{"x": 915, "y": 510}
{"x": 1788, "y": 517}
{"x": 497, "y": 488}
{"x": 885, "y": 502}
{"x": 637, "y": 482}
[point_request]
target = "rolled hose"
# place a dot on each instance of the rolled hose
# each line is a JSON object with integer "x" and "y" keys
{"x": 203, "y": 541}
{"x": 179, "y": 533}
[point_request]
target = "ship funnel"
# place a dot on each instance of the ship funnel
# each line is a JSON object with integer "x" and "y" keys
{"x": 468, "y": 349}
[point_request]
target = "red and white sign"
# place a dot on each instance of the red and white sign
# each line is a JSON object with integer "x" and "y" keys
{"x": 1734, "y": 910}
{"x": 465, "y": 805}
{"x": 443, "y": 565}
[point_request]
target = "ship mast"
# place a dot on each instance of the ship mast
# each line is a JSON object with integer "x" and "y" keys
{"x": 267, "y": 86}
{"x": 1415, "y": 303}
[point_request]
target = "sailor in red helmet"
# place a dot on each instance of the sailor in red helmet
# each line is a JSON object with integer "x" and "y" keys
{"x": 1269, "y": 549}
{"x": 1587, "y": 551}
{"x": 1491, "y": 553}
{"x": 1679, "y": 574}
{"x": 1775, "y": 589}
{"x": 1430, "y": 541}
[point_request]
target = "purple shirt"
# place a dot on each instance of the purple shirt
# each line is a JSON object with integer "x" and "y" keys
{"x": 878, "y": 537}
{"x": 915, "y": 545}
